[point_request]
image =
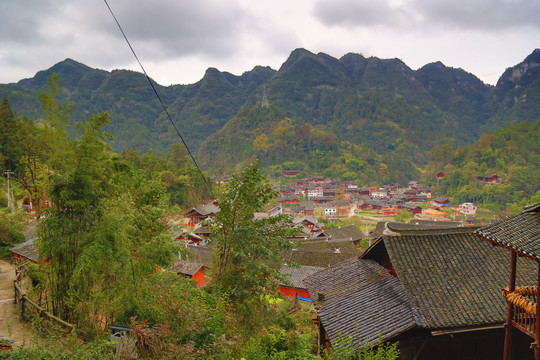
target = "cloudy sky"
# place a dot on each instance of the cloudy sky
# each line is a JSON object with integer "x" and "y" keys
{"x": 177, "y": 40}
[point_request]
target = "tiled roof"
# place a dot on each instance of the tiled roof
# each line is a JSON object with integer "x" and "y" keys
{"x": 443, "y": 281}
{"x": 425, "y": 227}
{"x": 187, "y": 267}
{"x": 455, "y": 279}
{"x": 359, "y": 301}
{"x": 28, "y": 249}
{"x": 294, "y": 276}
{"x": 345, "y": 232}
{"x": 205, "y": 210}
{"x": 520, "y": 232}
{"x": 321, "y": 253}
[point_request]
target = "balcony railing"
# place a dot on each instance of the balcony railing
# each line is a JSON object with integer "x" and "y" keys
{"x": 523, "y": 301}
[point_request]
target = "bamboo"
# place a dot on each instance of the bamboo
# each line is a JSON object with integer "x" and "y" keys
{"x": 26, "y": 303}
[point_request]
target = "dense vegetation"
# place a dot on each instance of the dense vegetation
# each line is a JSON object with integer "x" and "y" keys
{"x": 511, "y": 153}
{"x": 381, "y": 109}
{"x": 103, "y": 238}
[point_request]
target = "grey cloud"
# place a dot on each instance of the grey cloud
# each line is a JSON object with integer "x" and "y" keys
{"x": 481, "y": 14}
{"x": 443, "y": 14}
{"x": 176, "y": 28}
{"x": 363, "y": 13}
{"x": 21, "y": 21}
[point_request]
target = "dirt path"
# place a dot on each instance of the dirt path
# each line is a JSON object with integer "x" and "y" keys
{"x": 10, "y": 323}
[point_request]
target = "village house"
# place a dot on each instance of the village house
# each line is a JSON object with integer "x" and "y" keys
{"x": 436, "y": 292}
{"x": 189, "y": 236}
{"x": 441, "y": 202}
{"x": 315, "y": 192}
{"x": 293, "y": 286}
{"x": 200, "y": 213}
{"x": 434, "y": 214}
{"x": 27, "y": 251}
{"x": 489, "y": 178}
{"x": 344, "y": 233}
{"x": 519, "y": 234}
{"x": 191, "y": 269}
{"x": 330, "y": 211}
{"x": 412, "y": 208}
{"x": 380, "y": 193}
{"x": 467, "y": 208}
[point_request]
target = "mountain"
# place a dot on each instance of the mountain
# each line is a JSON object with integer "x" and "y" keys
{"x": 379, "y": 111}
{"x": 516, "y": 97}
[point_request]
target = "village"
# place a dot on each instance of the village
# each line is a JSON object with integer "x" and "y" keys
{"x": 432, "y": 284}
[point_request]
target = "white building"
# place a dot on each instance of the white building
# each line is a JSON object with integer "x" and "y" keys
{"x": 330, "y": 211}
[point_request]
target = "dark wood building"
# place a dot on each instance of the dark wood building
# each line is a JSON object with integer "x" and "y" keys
{"x": 520, "y": 234}
{"x": 200, "y": 213}
{"x": 437, "y": 293}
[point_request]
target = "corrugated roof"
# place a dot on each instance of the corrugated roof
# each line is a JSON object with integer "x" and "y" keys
{"x": 520, "y": 232}
{"x": 359, "y": 301}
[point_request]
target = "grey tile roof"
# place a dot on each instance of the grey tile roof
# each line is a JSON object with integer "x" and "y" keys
{"x": 361, "y": 301}
{"x": 455, "y": 279}
{"x": 28, "y": 249}
{"x": 346, "y": 232}
{"x": 205, "y": 210}
{"x": 443, "y": 281}
{"x": 294, "y": 276}
{"x": 519, "y": 232}
{"x": 187, "y": 267}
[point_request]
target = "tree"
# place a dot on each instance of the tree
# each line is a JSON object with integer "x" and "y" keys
{"x": 10, "y": 148}
{"x": 248, "y": 250}
{"x": 103, "y": 235}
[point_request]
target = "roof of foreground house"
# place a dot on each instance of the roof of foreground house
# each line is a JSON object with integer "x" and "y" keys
{"x": 358, "y": 300}
{"x": 454, "y": 279}
{"x": 442, "y": 281}
{"x": 519, "y": 232}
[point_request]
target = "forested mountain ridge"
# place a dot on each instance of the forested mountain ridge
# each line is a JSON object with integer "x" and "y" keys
{"x": 379, "y": 108}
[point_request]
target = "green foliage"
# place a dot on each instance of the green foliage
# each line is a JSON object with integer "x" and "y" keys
{"x": 403, "y": 216}
{"x": 58, "y": 348}
{"x": 10, "y": 233}
{"x": 345, "y": 349}
{"x": 246, "y": 248}
{"x": 276, "y": 344}
{"x": 104, "y": 234}
{"x": 511, "y": 153}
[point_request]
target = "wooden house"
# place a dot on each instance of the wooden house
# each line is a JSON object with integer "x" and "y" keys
{"x": 441, "y": 201}
{"x": 200, "y": 213}
{"x": 412, "y": 208}
{"x": 191, "y": 269}
{"x": 519, "y": 234}
{"x": 344, "y": 233}
{"x": 290, "y": 173}
{"x": 489, "y": 178}
{"x": 294, "y": 280}
{"x": 27, "y": 250}
{"x": 437, "y": 293}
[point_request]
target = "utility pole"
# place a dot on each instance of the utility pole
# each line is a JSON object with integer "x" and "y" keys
{"x": 10, "y": 199}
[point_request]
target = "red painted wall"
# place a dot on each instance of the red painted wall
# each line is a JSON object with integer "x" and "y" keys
{"x": 199, "y": 277}
{"x": 287, "y": 291}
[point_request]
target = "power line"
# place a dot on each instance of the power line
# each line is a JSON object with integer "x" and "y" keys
{"x": 158, "y": 97}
